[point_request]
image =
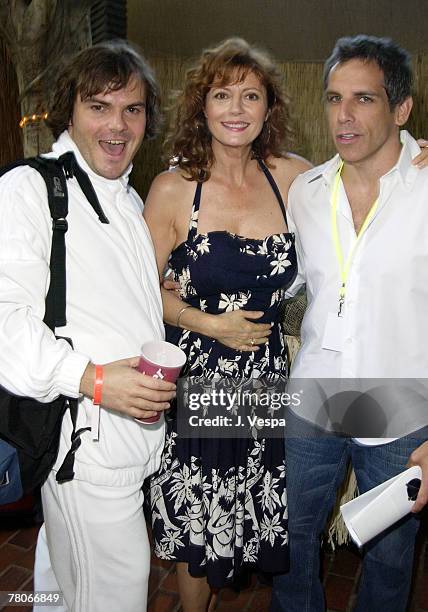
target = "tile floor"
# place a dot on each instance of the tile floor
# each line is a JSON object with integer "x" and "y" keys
{"x": 341, "y": 572}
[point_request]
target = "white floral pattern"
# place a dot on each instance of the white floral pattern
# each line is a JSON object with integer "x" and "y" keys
{"x": 280, "y": 263}
{"x": 203, "y": 246}
{"x": 234, "y": 301}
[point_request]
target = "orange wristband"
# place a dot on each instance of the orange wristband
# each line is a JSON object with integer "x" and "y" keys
{"x": 98, "y": 385}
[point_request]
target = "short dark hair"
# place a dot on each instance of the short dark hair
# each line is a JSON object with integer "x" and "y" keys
{"x": 107, "y": 66}
{"x": 394, "y": 62}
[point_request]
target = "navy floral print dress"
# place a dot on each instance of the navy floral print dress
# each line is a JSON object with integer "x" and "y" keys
{"x": 220, "y": 504}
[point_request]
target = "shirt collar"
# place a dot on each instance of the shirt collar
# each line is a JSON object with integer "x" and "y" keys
{"x": 330, "y": 169}
{"x": 66, "y": 143}
{"x": 403, "y": 168}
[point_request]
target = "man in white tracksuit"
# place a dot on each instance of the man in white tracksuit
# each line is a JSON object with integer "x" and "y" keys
{"x": 105, "y": 102}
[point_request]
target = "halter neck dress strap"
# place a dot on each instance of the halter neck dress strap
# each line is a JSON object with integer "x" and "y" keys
{"x": 274, "y": 186}
{"x": 193, "y": 223}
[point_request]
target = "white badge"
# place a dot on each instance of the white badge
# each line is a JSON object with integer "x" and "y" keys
{"x": 95, "y": 422}
{"x": 333, "y": 333}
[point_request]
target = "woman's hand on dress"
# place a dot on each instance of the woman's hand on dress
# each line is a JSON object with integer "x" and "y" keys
{"x": 421, "y": 160}
{"x": 236, "y": 330}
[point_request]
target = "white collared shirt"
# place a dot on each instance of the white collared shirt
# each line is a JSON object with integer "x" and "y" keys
{"x": 385, "y": 315}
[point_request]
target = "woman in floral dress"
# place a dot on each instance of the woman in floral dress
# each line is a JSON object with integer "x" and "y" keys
{"x": 219, "y": 220}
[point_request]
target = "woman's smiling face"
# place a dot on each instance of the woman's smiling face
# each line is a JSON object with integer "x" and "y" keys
{"x": 235, "y": 112}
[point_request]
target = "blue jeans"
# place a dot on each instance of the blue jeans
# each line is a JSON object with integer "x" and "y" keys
{"x": 316, "y": 466}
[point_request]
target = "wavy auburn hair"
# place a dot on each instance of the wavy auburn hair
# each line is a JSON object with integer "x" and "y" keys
{"x": 188, "y": 144}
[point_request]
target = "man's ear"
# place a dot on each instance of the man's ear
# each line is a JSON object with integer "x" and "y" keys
{"x": 403, "y": 110}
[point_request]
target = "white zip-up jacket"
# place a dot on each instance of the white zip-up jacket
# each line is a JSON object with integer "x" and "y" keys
{"x": 113, "y": 307}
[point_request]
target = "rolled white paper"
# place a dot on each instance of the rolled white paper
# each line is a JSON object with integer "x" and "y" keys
{"x": 371, "y": 513}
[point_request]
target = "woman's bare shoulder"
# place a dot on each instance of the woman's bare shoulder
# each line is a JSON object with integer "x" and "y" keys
{"x": 170, "y": 182}
{"x": 293, "y": 164}
{"x": 286, "y": 169}
{"x": 169, "y": 199}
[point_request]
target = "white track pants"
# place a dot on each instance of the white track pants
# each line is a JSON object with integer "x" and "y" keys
{"x": 98, "y": 547}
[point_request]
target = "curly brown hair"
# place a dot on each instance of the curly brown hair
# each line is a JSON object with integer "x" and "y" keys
{"x": 107, "y": 66}
{"x": 188, "y": 143}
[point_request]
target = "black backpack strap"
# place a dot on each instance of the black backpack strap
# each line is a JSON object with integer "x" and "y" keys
{"x": 15, "y": 164}
{"x": 72, "y": 168}
{"x": 66, "y": 471}
{"x": 55, "y": 173}
{"x": 56, "y": 187}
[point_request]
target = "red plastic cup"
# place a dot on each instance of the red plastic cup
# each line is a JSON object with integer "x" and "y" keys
{"x": 163, "y": 360}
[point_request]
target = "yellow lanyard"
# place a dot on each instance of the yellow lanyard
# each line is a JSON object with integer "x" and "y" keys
{"x": 344, "y": 266}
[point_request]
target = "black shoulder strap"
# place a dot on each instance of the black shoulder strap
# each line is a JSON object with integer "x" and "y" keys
{"x": 274, "y": 186}
{"x": 72, "y": 168}
{"x": 56, "y": 186}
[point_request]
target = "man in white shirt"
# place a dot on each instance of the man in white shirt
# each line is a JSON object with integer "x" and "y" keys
{"x": 105, "y": 103}
{"x": 361, "y": 224}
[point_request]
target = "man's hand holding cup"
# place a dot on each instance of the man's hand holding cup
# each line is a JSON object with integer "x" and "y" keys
{"x": 160, "y": 360}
